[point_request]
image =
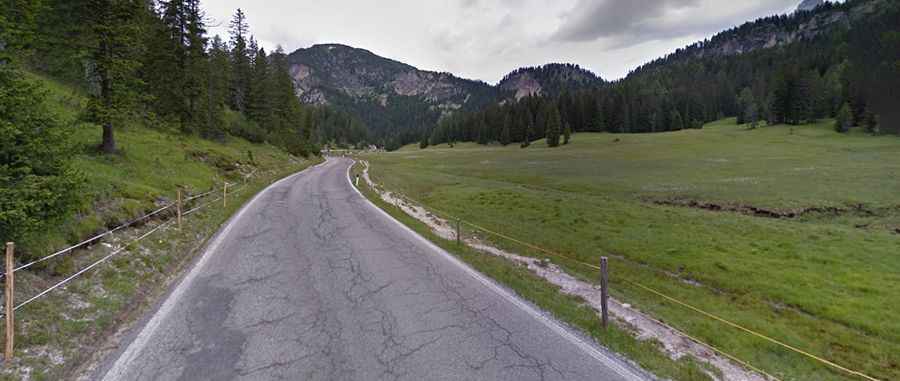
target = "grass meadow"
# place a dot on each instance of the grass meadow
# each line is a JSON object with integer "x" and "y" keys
{"x": 793, "y": 232}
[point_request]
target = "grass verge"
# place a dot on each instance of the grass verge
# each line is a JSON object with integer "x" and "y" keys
{"x": 823, "y": 280}
{"x": 59, "y": 333}
{"x": 568, "y": 309}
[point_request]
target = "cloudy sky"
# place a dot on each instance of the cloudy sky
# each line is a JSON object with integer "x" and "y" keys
{"x": 485, "y": 39}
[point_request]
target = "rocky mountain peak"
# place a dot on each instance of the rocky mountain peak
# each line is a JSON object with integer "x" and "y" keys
{"x": 808, "y": 5}
{"x": 547, "y": 79}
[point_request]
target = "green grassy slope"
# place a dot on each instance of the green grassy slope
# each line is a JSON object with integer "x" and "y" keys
{"x": 59, "y": 333}
{"x": 825, "y": 281}
{"x": 152, "y": 164}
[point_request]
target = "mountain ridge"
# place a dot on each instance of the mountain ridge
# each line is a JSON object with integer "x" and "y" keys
{"x": 401, "y": 102}
{"x": 383, "y": 92}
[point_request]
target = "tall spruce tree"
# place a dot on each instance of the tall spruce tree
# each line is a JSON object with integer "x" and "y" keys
{"x": 257, "y": 103}
{"x": 676, "y": 122}
{"x": 218, "y": 88}
{"x": 112, "y": 38}
{"x": 242, "y": 70}
{"x": 554, "y": 125}
{"x": 844, "y": 119}
{"x": 505, "y": 134}
{"x": 196, "y": 111}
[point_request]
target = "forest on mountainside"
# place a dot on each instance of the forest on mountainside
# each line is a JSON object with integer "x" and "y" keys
{"x": 155, "y": 62}
{"x": 852, "y": 68}
{"x": 132, "y": 65}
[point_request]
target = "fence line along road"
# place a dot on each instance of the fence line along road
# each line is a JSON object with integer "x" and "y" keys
{"x": 9, "y": 284}
{"x": 686, "y": 305}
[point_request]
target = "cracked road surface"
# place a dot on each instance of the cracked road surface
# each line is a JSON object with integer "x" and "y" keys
{"x": 309, "y": 281}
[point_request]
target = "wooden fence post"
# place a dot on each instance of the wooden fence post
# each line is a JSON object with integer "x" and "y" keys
{"x": 225, "y": 195}
{"x": 178, "y": 208}
{"x": 604, "y": 291}
{"x": 457, "y": 232}
{"x": 10, "y": 305}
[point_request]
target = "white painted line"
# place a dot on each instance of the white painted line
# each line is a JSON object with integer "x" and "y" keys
{"x": 592, "y": 351}
{"x": 119, "y": 368}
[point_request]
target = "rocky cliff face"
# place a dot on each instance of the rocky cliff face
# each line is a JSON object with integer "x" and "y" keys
{"x": 549, "y": 79}
{"x": 817, "y": 17}
{"x": 329, "y": 69}
{"x": 382, "y": 92}
{"x": 808, "y": 5}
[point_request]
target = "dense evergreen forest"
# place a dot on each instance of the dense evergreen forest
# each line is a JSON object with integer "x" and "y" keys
{"x": 140, "y": 64}
{"x": 851, "y": 74}
{"x": 154, "y": 61}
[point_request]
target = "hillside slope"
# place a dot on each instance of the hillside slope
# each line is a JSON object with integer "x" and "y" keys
{"x": 152, "y": 165}
{"x": 393, "y": 98}
{"x": 550, "y": 79}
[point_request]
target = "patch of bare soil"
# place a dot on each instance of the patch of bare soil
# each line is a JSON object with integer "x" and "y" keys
{"x": 676, "y": 344}
{"x": 750, "y": 210}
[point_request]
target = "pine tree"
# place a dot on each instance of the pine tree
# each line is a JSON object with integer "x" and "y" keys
{"x": 257, "y": 102}
{"x": 113, "y": 34}
{"x": 554, "y": 122}
{"x": 745, "y": 100}
{"x": 196, "y": 71}
{"x": 844, "y": 119}
{"x": 676, "y": 123}
{"x": 599, "y": 122}
{"x": 567, "y": 134}
{"x": 505, "y": 132}
{"x": 540, "y": 121}
{"x": 528, "y": 120}
{"x": 752, "y": 116}
{"x": 18, "y": 27}
{"x": 869, "y": 121}
{"x": 38, "y": 183}
{"x": 240, "y": 58}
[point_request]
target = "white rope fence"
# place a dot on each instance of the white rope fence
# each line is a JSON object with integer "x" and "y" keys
{"x": 89, "y": 267}
{"x": 92, "y": 239}
{"x": 118, "y": 250}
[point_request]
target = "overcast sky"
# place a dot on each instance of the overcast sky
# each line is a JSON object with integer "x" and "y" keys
{"x": 485, "y": 39}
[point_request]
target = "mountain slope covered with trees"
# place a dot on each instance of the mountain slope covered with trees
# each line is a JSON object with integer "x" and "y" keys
{"x": 811, "y": 65}
{"x": 396, "y": 102}
{"x": 130, "y": 66}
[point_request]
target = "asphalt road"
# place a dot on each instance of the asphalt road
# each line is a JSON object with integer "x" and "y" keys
{"x": 309, "y": 281}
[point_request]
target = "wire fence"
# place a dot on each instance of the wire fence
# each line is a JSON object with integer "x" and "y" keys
{"x": 688, "y": 306}
{"x": 123, "y": 248}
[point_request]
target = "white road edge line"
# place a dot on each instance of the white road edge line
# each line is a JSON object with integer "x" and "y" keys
{"x": 610, "y": 362}
{"x": 117, "y": 371}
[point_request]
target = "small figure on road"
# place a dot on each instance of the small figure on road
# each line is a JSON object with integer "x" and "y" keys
{"x": 357, "y": 179}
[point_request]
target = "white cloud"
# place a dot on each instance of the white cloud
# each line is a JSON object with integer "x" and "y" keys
{"x": 485, "y": 39}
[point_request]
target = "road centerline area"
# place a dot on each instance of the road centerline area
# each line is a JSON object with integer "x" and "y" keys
{"x": 308, "y": 281}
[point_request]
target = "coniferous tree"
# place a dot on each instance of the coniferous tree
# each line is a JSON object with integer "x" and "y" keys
{"x": 196, "y": 71}
{"x": 844, "y": 119}
{"x": 567, "y": 133}
{"x": 113, "y": 32}
{"x": 746, "y": 102}
{"x": 257, "y": 102}
{"x": 874, "y": 69}
{"x": 554, "y": 121}
{"x": 676, "y": 123}
{"x": 38, "y": 183}
{"x": 505, "y": 137}
{"x": 240, "y": 61}
{"x": 869, "y": 121}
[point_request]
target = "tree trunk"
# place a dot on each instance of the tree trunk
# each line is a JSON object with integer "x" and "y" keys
{"x": 109, "y": 142}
